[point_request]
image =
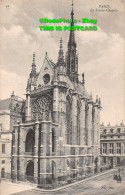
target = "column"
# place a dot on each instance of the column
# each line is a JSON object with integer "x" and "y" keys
{"x": 20, "y": 153}
{"x": 89, "y": 128}
{"x": 28, "y": 107}
{"x": 82, "y": 122}
{"x": 56, "y": 104}
{"x": 122, "y": 148}
{"x": 74, "y": 119}
{"x": 95, "y": 125}
{"x": 14, "y": 153}
{"x": 36, "y": 151}
{"x": 44, "y": 149}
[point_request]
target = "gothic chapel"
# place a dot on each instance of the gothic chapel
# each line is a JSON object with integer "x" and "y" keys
{"x": 59, "y": 135}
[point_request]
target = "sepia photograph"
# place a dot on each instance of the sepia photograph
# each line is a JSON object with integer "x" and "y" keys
{"x": 62, "y": 97}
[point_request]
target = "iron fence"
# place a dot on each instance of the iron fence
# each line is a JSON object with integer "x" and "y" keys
{"x": 49, "y": 183}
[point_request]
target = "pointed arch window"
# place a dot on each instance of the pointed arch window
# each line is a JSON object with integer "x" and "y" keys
{"x": 30, "y": 141}
{"x": 53, "y": 140}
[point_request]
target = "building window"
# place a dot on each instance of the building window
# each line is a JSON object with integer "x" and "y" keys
{"x": 104, "y": 131}
{"x": 111, "y": 130}
{"x": 3, "y": 161}
{"x": 104, "y": 160}
{"x": 118, "y": 148}
{"x": 3, "y": 148}
{"x": 118, "y": 130}
{"x": 3, "y": 173}
{"x": 39, "y": 86}
{"x": 0, "y": 127}
{"x": 104, "y": 148}
{"x": 30, "y": 141}
{"x": 111, "y": 149}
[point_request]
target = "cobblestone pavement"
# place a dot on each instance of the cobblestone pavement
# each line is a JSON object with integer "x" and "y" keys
{"x": 7, "y": 188}
{"x": 101, "y": 185}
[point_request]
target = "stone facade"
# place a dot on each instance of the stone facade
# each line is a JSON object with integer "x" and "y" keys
{"x": 112, "y": 141}
{"x": 59, "y": 136}
{"x": 10, "y": 112}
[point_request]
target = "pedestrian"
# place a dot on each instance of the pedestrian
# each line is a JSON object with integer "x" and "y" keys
{"x": 115, "y": 177}
{"x": 119, "y": 178}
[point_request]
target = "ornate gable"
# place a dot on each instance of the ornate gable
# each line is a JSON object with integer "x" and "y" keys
{"x": 46, "y": 73}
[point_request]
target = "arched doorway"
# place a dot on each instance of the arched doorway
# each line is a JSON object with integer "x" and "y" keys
{"x": 30, "y": 171}
{"x": 30, "y": 141}
{"x": 3, "y": 173}
{"x": 53, "y": 170}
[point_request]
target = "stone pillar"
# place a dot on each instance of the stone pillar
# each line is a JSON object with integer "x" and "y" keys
{"x": 98, "y": 126}
{"x": 95, "y": 125}
{"x": 86, "y": 123}
{"x": 82, "y": 123}
{"x": 107, "y": 148}
{"x": 56, "y": 104}
{"x": 28, "y": 107}
{"x": 36, "y": 151}
{"x": 45, "y": 148}
{"x": 89, "y": 128}
{"x": 42, "y": 174}
{"x": 122, "y": 148}
{"x": 74, "y": 119}
{"x": 20, "y": 153}
{"x": 115, "y": 148}
{"x": 62, "y": 115}
{"x": 14, "y": 153}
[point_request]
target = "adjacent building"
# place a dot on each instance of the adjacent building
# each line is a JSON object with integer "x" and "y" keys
{"x": 112, "y": 141}
{"x": 10, "y": 112}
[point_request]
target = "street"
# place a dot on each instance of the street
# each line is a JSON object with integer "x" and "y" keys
{"x": 101, "y": 185}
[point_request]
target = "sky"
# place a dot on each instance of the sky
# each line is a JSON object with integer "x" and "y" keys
{"x": 101, "y": 52}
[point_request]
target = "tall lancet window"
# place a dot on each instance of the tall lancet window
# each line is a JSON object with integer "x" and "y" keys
{"x": 53, "y": 140}
{"x": 69, "y": 119}
{"x": 78, "y": 123}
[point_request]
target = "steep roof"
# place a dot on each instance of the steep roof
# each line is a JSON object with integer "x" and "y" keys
{"x": 5, "y": 104}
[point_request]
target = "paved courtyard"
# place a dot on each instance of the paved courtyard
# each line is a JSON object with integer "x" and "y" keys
{"x": 101, "y": 185}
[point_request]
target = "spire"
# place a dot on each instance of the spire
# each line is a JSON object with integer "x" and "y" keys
{"x": 33, "y": 64}
{"x": 33, "y": 75}
{"x": 72, "y": 35}
{"x": 83, "y": 78}
{"x": 12, "y": 94}
{"x": 61, "y": 67}
{"x": 61, "y": 57}
{"x": 71, "y": 56}
{"x": 99, "y": 102}
{"x": 91, "y": 98}
{"x": 28, "y": 86}
{"x": 97, "y": 99}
